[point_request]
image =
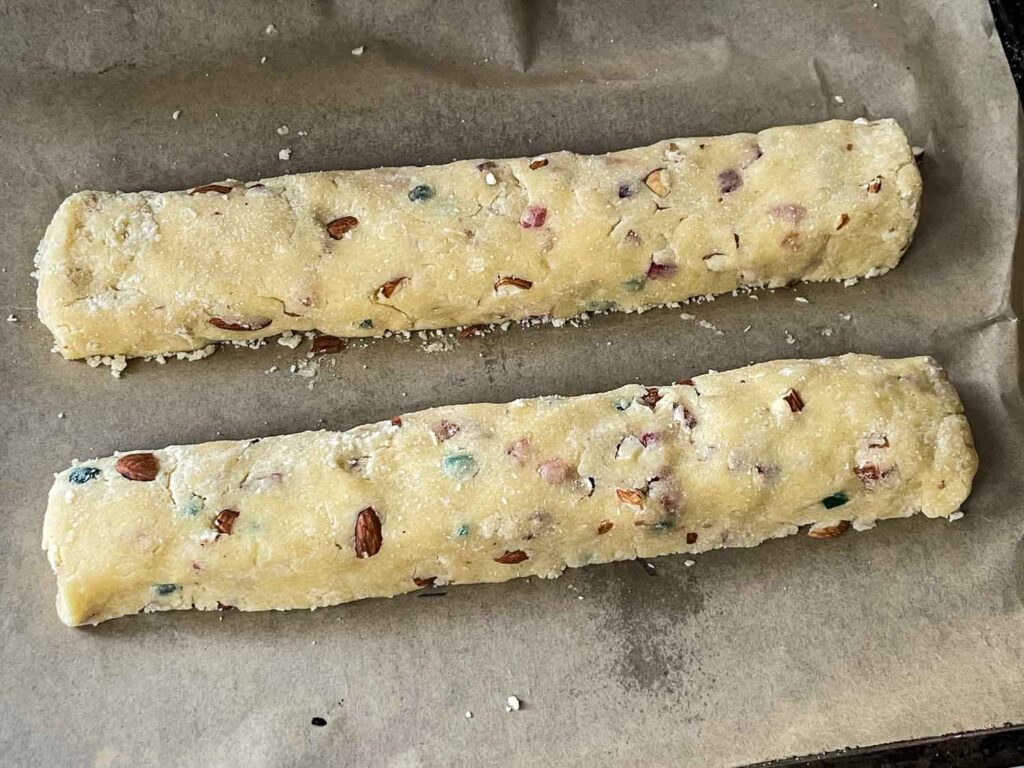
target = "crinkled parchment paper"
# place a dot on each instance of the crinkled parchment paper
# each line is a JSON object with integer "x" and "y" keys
{"x": 909, "y": 630}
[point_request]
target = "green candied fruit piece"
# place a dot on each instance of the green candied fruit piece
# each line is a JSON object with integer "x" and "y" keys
{"x": 165, "y": 589}
{"x": 599, "y": 306}
{"x": 193, "y": 506}
{"x": 459, "y": 466}
{"x": 82, "y": 475}
{"x": 421, "y": 192}
{"x": 367, "y": 323}
{"x": 462, "y": 531}
{"x": 635, "y": 283}
{"x": 837, "y": 499}
{"x": 623, "y": 403}
{"x": 663, "y": 525}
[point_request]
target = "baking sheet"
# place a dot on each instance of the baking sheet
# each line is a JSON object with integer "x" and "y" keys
{"x": 909, "y": 630}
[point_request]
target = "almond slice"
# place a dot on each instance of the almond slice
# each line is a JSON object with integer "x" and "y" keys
{"x": 219, "y": 188}
{"x": 655, "y": 182}
{"x": 793, "y": 400}
{"x": 224, "y": 522}
{"x": 325, "y": 344}
{"x": 390, "y": 287}
{"x": 368, "y": 538}
{"x": 650, "y": 397}
{"x": 141, "y": 467}
{"x": 516, "y": 282}
{"x": 511, "y": 558}
{"x": 632, "y": 496}
{"x": 828, "y": 530}
{"x": 338, "y": 227}
{"x": 240, "y": 324}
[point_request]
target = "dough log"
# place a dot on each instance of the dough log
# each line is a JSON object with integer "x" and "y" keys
{"x": 484, "y": 493}
{"x": 361, "y": 253}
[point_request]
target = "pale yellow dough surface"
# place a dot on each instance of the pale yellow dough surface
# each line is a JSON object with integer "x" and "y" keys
{"x": 479, "y": 493}
{"x": 475, "y": 242}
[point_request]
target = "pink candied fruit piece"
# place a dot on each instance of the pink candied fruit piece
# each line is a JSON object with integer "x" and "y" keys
{"x": 519, "y": 449}
{"x": 656, "y": 270}
{"x": 649, "y": 438}
{"x": 556, "y": 471}
{"x": 533, "y": 217}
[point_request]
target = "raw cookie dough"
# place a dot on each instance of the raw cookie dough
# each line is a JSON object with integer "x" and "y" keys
{"x": 358, "y": 253}
{"x": 477, "y": 493}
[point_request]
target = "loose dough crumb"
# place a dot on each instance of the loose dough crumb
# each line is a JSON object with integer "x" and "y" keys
{"x": 445, "y": 345}
{"x": 197, "y": 354}
{"x": 705, "y": 324}
{"x": 307, "y": 369}
{"x": 284, "y": 154}
{"x": 289, "y": 339}
{"x": 117, "y": 363}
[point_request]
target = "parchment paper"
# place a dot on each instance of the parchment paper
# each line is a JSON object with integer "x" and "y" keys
{"x": 910, "y": 630}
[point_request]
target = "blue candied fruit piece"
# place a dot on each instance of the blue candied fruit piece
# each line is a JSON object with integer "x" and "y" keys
{"x": 837, "y": 499}
{"x": 421, "y": 192}
{"x": 459, "y": 466}
{"x": 165, "y": 589}
{"x": 462, "y": 531}
{"x": 193, "y": 506}
{"x": 367, "y": 323}
{"x": 82, "y": 475}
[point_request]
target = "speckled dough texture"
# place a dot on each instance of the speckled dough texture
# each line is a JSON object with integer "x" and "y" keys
{"x": 360, "y": 253}
{"x": 482, "y": 493}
